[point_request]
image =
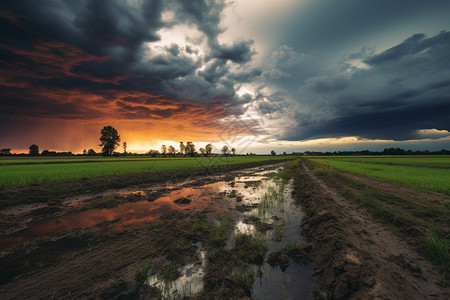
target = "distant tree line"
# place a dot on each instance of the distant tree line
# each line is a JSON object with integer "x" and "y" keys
{"x": 110, "y": 140}
{"x": 386, "y": 151}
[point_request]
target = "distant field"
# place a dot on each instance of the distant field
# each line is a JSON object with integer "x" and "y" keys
{"x": 69, "y": 159}
{"x": 427, "y": 161}
{"x": 431, "y": 173}
{"x": 22, "y": 172}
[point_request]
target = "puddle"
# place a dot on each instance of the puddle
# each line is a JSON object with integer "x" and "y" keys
{"x": 244, "y": 228}
{"x": 127, "y": 214}
{"x": 188, "y": 284}
{"x": 273, "y": 283}
{"x": 260, "y": 195}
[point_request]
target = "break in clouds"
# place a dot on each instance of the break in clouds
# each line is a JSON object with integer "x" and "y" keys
{"x": 389, "y": 95}
{"x": 295, "y": 76}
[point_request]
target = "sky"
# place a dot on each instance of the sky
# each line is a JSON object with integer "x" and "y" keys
{"x": 257, "y": 75}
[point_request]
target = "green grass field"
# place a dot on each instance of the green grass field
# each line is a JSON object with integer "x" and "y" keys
{"x": 23, "y": 172}
{"x": 407, "y": 170}
{"x": 428, "y": 161}
{"x": 5, "y": 161}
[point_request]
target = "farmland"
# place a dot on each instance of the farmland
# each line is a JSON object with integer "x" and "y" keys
{"x": 409, "y": 194}
{"x": 23, "y": 172}
{"x": 430, "y": 173}
{"x": 254, "y": 226}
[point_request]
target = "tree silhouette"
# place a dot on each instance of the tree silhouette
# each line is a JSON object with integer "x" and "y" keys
{"x": 124, "y": 147}
{"x": 273, "y": 152}
{"x": 233, "y": 150}
{"x": 5, "y": 151}
{"x": 208, "y": 149}
{"x": 202, "y": 150}
{"x": 91, "y": 152}
{"x": 110, "y": 140}
{"x": 182, "y": 148}
{"x": 190, "y": 148}
{"x": 171, "y": 150}
{"x": 225, "y": 150}
{"x": 153, "y": 153}
{"x": 34, "y": 150}
{"x": 84, "y": 152}
{"x": 164, "y": 150}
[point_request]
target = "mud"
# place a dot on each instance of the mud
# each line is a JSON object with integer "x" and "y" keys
{"x": 355, "y": 254}
{"x": 175, "y": 239}
{"x": 232, "y": 235}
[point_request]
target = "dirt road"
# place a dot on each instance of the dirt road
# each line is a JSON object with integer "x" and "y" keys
{"x": 356, "y": 254}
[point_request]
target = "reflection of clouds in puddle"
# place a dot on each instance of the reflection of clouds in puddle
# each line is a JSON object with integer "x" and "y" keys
{"x": 243, "y": 228}
{"x": 210, "y": 197}
{"x": 187, "y": 285}
{"x": 132, "y": 193}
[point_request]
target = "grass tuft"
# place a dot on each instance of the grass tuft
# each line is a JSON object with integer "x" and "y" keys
{"x": 293, "y": 247}
{"x": 142, "y": 272}
{"x": 438, "y": 250}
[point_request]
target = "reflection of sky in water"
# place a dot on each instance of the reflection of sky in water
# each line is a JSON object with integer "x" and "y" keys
{"x": 294, "y": 283}
{"x": 127, "y": 214}
{"x": 219, "y": 197}
{"x": 243, "y": 228}
{"x": 187, "y": 285}
{"x": 210, "y": 197}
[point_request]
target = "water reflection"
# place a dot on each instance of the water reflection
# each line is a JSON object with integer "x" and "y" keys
{"x": 269, "y": 198}
{"x": 293, "y": 283}
{"x": 187, "y": 285}
{"x": 127, "y": 214}
{"x": 244, "y": 228}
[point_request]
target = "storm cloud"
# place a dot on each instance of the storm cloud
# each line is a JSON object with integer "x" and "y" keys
{"x": 391, "y": 95}
{"x": 287, "y": 70}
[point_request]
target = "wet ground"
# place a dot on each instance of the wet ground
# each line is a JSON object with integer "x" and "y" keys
{"x": 257, "y": 201}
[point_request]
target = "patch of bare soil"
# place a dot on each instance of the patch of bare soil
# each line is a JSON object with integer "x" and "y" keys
{"x": 108, "y": 270}
{"x": 356, "y": 255}
{"x": 103, "y": 262}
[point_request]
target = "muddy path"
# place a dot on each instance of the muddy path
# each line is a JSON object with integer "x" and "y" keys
{"x": 356, "y": 254}
{"x": 227, "y": 235}
{"x": 52, "y": 193}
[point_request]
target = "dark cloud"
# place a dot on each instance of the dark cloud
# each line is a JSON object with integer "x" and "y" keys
{"x": 205, "y": 14}
{"x": 92, "y": 59}
{"x": 103, "y": 45}
{"x": 402, "y": 90}
{"x": 240, "y": 52}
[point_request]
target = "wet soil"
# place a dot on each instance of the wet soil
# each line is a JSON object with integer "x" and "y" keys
{"x": 229, "y": 235}
{"x": 53, "y": 192}
{"x": 175, "y": 239}
{"x": 356, "y": 254}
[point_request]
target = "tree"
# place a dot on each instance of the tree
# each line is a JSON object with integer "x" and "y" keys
{"x": 233, "y": 150}
{"x": 84, "y": 151}
{"x": 202, "y": 150}
{"x": 208, "y": 149}
{"x": 110, "y": 140}
{"x": 91, "y": 152}
{"x": 171, "y": 150}
{"x": 163, "y": 150}
{"x": 225, "y": 150}
{"x": 5, "y": 151}
{"x": 273, "y": 152}
{"x": 153, "y": 153}
{"x": 182, "y": 147}
{"x": 190, "y": 148}
{"x": 124, "y": 147}
{"x": 34, "y": 150}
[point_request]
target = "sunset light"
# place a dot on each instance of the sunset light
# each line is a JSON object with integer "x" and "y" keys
{"x": 224, "y": 149}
